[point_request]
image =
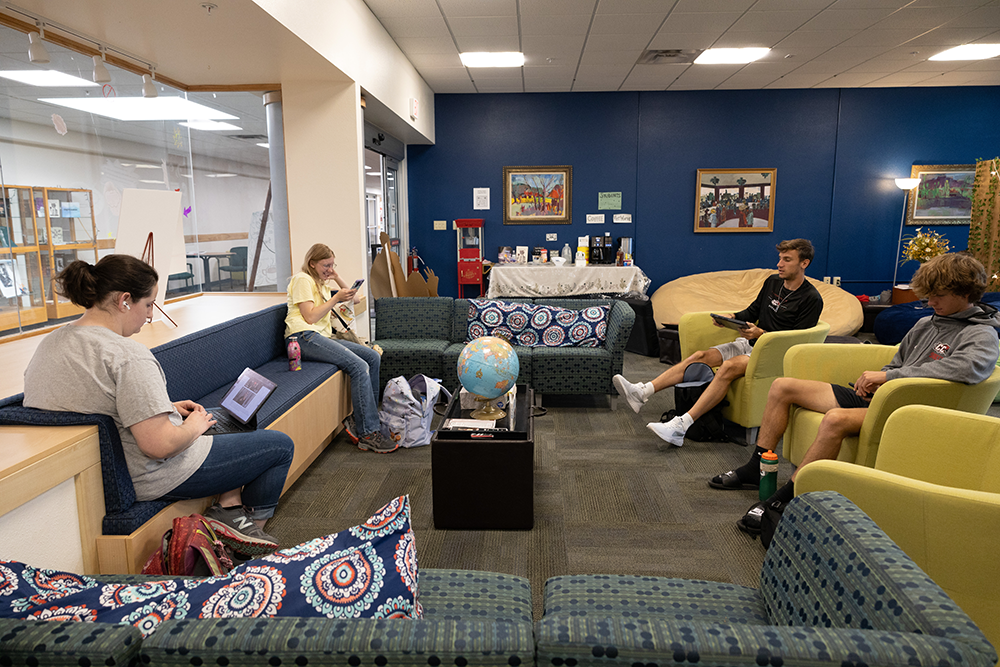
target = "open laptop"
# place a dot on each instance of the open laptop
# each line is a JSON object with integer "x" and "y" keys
{"x": 238, "y": 412}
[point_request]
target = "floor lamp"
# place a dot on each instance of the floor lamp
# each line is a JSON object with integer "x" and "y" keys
{"x": 903, "y": 184}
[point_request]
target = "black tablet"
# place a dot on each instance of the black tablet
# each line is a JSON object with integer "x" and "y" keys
{"x": 739, "y": 325}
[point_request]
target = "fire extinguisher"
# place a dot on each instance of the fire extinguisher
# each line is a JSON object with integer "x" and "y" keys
{"x": 411, "y": 265}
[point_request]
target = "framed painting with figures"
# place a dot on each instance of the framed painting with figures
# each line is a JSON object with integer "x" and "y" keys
{"x": 537, "y": 195}
{"x": 735, "y": 200}
{"x": 944, "y": 195}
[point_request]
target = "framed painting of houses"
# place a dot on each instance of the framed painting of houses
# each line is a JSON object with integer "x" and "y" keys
{"x": 944, "y": 196}
{"x": 735, "y": 200}
{"x": 537, "y": 195}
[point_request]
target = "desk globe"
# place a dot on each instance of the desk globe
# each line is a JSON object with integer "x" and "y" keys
{"x": 488, "y": 368}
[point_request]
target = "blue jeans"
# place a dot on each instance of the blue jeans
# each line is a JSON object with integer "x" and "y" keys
{"x": 358, "y": 361}
{"x": 257, "y": 462}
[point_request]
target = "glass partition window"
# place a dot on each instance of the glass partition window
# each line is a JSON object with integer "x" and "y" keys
{"x": 66, "y": 166}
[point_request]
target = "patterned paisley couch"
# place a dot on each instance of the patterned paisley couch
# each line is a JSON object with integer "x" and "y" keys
{"x": 427, "y": 335}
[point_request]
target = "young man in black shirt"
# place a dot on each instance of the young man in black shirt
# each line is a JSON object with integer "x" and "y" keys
{"x": 786, "y": 301}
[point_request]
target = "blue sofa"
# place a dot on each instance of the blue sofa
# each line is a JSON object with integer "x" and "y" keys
{"x": 427, "y": 334}
{"x": 201, "y": 366}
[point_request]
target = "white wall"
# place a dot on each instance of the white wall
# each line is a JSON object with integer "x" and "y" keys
{"x": 348, "y": 35}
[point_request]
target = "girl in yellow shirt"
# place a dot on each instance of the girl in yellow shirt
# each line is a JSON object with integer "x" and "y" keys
{"x": 309, "y": 304}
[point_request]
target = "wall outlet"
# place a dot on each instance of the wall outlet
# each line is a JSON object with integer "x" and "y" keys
{"x": 551, "y": 237}
{"x": 826, "y": 279}
{"x": 440, "y": 225}
{"x": 836, "y": 281}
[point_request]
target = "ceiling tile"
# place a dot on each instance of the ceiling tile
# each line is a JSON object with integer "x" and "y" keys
{"x": 704, "y": 76}
{"x": 902, "y": 79}
{"x": 816, "y": 38}
{"x": 713, "y": 5}
{"x": 657, "y": 73}
{"x": 716, "y": 23}
{"x": 494, "y": 73}
{"x": 984, "y": 16}
{"x": 395, "y": 8}
{"x": 881, "y": 37}
{"x": 446, "y": 87}
{"x": 604, "y": 69}
{"x": 426, "y": 45}
{"x": 991, "y": 65}
{"x": 553, "y": 7}
{"x": 630, "y": 43}
{"x": 645, "y": 25}
{"x": 847, "y": 19}
{"x": 457, "y": 8}
{"x": 559, "y": 24}
{"x": 948, "y": 37}
{"x": 609, "y": 57}
{"x": 780, "y": 5}
{"x": 925, "y": 18}
{"x": 484, "y": 25}
{"x": 738, "y": 40}
{"x": 867, "y": 4}
{"x": 851, "y": 55}
{"x": 796, "y": 80}
{"x": 849, "y": 80}
{"x": 513, "y": 87}
{"x": 660, "y": 7}
{"x": 773, "y": 20}
{"x": 424, "y": 61}
{"x": 552, "y": 45}
{"x": 415, "y": 26}
{"x": 487, "y": 43}
{"x": 531, "y": 87}
{"x": 588, "y": 84}
{"x": 690, "y": 40}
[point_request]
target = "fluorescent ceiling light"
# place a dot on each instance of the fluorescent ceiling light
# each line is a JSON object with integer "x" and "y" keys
{"x": 219, "y": 175}
{"x": 487, "y": 59}
{"x": 140, "y": 108}
{"x": 147, "y": 166}
{"x": 143, "y": 180}
{"x": 969, "y": 52}
{"x": 264, "y": 145}
{"x": 374, "y": 173}
{"x": 45, "y": 77}
{"x": 731, "y": 56}
{"x": 210, "y": 125}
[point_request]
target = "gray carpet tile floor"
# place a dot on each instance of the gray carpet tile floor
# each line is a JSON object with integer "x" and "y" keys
{"x": 607, "y": 500}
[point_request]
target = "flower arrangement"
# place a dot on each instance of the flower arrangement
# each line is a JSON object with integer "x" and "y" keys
{"x": 923, "y": 246}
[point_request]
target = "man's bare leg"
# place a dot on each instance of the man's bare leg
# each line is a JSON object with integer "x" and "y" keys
{"x": 730, "y": 371}
{"x": 639, "y": 392}
{"x": 784, "y": 392}
{"x": 837, "y": 424}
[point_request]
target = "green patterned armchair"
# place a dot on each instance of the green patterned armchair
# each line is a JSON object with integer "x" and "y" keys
{"x": 834, "y": 591}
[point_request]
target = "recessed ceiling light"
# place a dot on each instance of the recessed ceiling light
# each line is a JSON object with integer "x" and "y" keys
{"x": 731, "y": 56}
{"x": 969, "y": 52}
{"x": 488, "y": 59}
{"x": 209, "y": 125}
{"x": 264, "y": 145}
{"x": 140, "y": 108}
{"x": 45, "y": 77}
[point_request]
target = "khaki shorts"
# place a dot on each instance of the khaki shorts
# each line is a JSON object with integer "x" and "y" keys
{"x": 739, "y": 347}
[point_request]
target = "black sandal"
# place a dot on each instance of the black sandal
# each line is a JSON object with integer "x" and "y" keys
{"x": 730, "y": 481}
{"x": 750, "y": 522}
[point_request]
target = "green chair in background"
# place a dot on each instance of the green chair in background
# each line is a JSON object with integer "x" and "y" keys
{"x": 237, "y": 264}
{"x": 187, "y": 277}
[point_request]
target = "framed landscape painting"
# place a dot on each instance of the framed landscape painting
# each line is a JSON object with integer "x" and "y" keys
{"x": 944, "y": 196}
{"x": 537, "y": 195}
{"x": 735, "y": 200}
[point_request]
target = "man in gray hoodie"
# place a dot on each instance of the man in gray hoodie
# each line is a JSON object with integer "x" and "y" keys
{"x": 958, "y": 343}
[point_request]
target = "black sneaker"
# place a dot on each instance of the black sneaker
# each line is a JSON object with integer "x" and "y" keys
{"x": 374, "y": 442}
{"x": 238, "y": 531}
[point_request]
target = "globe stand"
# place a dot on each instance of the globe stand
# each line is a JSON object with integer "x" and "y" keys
{"x": 488, "y": 410}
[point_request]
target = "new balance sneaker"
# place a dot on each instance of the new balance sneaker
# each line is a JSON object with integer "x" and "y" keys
{"x": 635, "y": 394}
{"x": 351, "y": 429}
{"x": 238, "y": 531}
{"x": 374, "y": 442}
{"x": 672, "y": 431}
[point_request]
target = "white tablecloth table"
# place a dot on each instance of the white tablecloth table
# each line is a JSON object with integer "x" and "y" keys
{"x": 548, "y": 280}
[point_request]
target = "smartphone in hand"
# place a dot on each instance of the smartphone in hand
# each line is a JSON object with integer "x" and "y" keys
{"x": 358, "y": 283}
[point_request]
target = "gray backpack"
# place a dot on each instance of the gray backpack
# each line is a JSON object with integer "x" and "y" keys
{"x": 408, "y": 408}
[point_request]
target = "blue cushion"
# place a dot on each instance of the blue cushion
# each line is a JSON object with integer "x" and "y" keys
{"x": 368, "y": 571}
{"x": 199, "y": 363}
{"x": 533, "y": 325}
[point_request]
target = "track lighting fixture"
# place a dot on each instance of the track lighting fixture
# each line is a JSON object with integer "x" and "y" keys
{"x": 101, "y": 74}
{"x": 36, "y": 50}
{"x": 148, "y": 88}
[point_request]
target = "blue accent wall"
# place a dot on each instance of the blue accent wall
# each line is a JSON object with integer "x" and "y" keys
{"x": 836, "y": 152}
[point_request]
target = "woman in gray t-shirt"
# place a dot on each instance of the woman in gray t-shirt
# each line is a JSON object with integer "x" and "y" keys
{"x": 90, "y": 366}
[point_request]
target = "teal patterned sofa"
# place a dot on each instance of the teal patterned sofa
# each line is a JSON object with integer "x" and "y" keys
{"x": 835, "y": 591}
{"x": 470, "y": 619}
{"x": 426, "y": 335}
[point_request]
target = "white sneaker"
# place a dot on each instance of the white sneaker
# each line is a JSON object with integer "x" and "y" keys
{"x": 633, "y": 393}
{"x": 672, "y": 431}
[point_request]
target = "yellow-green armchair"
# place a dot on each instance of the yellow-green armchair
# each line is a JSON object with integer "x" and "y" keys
{"x": 840, "y": 364}
{"x": 935, "y": 490}
{"x": 748, "y": 394}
